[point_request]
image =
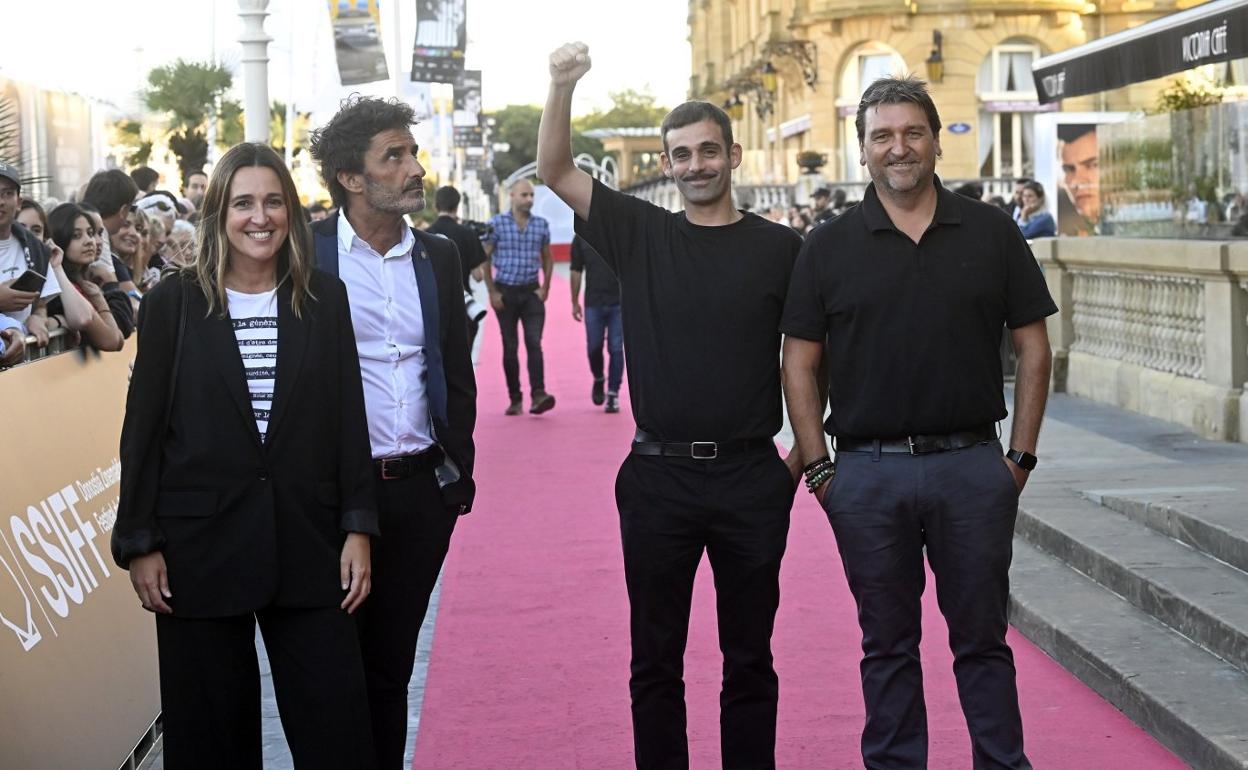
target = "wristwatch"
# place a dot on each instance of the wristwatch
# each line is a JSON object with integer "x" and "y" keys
{"x": 1024, "y": 460}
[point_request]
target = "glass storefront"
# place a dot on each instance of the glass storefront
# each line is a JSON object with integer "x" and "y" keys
{"x": 1176, "y": 175}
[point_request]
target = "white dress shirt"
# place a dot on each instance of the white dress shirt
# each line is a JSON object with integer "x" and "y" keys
{"x": 390, "y": 337}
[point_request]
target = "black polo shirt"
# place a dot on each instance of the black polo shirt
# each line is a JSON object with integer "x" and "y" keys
{"x": 601, "y": 285}
{"x": 471, "y": 252}
{"x": 913, "y": 331}
{"x": 701, "y": 309}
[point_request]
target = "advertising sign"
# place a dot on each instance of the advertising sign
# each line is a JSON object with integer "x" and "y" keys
{"x": 77, "y": 652}
{"x": 441, "y": 37}
{"x": 1068, "y": 166}
{"x": 357, "y": 41}
{"x": 467, "y": 98}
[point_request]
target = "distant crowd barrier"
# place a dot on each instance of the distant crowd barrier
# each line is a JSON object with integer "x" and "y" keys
{"x": 77, "y": 652}
{"x": 1157, "y": 326}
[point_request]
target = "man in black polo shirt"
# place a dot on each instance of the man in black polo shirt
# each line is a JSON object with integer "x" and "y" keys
{"x": 602, "y": 319}
{"x": 909, "y": 292}
{"x": 702, "y": 292}
{"x": 471, "y": 253}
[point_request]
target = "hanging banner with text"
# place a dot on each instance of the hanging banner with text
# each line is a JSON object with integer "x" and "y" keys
{"x": 441, "y": 37}
{"x": 77, "y": 652}
{"x": 467, "y": 92}
{"x": 357, "y": 41}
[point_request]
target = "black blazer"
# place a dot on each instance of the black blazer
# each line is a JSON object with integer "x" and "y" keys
{"x": 244, "y": 525}
{"x": 450, "y": 373}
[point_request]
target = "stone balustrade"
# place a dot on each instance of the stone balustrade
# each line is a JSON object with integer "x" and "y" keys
{"x": 1154, "y": 325}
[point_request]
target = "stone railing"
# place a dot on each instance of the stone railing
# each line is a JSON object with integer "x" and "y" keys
{"x": 1155, "y": 321}
{"x": 1154, "y": 325}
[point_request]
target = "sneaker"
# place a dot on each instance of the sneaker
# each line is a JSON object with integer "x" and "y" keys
{"x": 597, "y": 394}
{"x": 515, "y": 407}
{"x": 542, "y": 402}
{"x": 613, "y": 403}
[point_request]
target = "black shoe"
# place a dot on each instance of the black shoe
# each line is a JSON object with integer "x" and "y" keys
{"x": 613, "y": 403}
{"x": 597, "y": 394}
{"x": 543, "y": 402}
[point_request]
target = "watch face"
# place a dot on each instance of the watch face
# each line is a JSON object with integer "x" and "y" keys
{"x": 1024, "y": 460}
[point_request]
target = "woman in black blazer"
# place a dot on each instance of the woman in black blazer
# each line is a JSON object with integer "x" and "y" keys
{"x": 246, "y": 483}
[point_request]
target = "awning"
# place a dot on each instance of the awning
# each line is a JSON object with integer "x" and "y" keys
{"x": 1207, "y": 34}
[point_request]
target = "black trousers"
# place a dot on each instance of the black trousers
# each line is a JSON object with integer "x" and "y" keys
{"x": 415, "y": 534}
{"x": 210, "y": 689}
{"x": 671, "y": 510}
{"x": 960, "y": 506}
{"x": 521, "y": 305}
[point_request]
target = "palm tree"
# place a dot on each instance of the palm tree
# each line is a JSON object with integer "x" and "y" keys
{"x": 188, "y": 92}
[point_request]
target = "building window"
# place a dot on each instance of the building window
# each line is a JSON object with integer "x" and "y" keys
{"x": 868, "y": 63}
{"x": 1007, "y": 107}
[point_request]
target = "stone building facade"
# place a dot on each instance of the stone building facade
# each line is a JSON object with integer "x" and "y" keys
{"x": 798, "y": 67}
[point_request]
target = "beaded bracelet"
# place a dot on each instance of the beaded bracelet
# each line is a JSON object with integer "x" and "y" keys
{"x": 818, "y": 472}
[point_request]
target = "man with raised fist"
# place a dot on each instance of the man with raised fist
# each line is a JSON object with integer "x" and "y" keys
{"x": 702, "y": 292}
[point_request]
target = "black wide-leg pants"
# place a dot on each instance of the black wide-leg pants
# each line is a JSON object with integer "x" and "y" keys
{"x": 960, "y": 506}
{"x": 736, "y": 509}
{"x": 210, "y": 689}
{"x": 416, "y": 532}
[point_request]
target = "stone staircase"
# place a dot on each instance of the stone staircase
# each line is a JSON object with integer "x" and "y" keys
{"x": 1142, "y": 592}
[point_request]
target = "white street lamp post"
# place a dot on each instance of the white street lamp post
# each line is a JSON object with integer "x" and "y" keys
{"x": 255, "y": 69}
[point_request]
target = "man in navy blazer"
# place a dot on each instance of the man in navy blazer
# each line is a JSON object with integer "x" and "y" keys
{"x": 419, "y": 388}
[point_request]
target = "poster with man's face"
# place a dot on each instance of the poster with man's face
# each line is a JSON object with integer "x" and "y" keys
{"x": 1079, "y": 205}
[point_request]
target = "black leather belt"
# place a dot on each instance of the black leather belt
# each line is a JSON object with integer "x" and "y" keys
{"x": 645, "y": 444}
{"x": 392, "y": 468}
{"x": 921, "y": 444}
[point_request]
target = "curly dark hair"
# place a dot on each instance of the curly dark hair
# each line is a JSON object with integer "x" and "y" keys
{"x": 340, "y": 144}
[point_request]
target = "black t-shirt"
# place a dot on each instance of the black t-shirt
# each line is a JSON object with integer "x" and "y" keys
{"x": 471, "y": 252}
{"x": 601, "y": 285}
{"x": 701, "y": 308}
{"x": 913, "y": 331}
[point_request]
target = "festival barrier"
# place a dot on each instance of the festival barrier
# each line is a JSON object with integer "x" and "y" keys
{"x": 78, "y": 671}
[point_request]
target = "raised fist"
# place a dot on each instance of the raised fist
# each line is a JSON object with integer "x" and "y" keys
{"x": 569, "y": 63}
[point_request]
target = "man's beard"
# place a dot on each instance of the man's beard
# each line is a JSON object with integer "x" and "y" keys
{"x": 387, "y": 201}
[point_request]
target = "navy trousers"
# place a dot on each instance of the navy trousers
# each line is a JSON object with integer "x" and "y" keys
{"x": 960, "y": 506}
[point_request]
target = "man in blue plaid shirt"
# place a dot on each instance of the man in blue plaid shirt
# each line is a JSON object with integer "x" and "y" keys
{"x": 518, "y": 277}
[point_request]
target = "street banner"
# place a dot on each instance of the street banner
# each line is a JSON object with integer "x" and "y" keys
{"x": 467, "y": 93}
{"x": 357, "y": 41}
{"x": 469, "y": 136}
{"x": 441, "y": 37}
{"x": 77, "y": 651}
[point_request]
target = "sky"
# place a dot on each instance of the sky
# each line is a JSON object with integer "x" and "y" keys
{"x": 104, "y": 49}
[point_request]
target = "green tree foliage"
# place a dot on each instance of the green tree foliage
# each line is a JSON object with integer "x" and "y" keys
{"x": 516, "y": 125}
{"x": 128, "y": 138}
{"x": 629, "y": 109}
{"x": 187, "y": 92}
{"x": 1183, "y": 94}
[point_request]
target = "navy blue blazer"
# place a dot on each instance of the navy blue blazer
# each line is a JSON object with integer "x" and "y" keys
{"x": 451, "y": 383}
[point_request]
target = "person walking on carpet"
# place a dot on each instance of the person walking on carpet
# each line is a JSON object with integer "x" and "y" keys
{"x": 908, "y": 293}
{"x": 602, "y": 318}
{"x": 701, "y": 294}
{"x": 420, "y": 392}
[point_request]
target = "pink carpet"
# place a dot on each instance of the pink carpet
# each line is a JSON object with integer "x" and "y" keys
{"x": 530, "y": 654}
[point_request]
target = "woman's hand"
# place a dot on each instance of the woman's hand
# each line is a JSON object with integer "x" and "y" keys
{"x": 55, "y": 255}
{"x": 151, "y": 581}
{"x": 356, "y": 570}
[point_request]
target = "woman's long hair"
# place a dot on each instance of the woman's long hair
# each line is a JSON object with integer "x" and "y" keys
{"x": 61, "y": 230}
{"x": 212, "y": 247}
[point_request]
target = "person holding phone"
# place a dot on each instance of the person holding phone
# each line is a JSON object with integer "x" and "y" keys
{"x": 247, "y": 491}
{"x": 21, "y": 252}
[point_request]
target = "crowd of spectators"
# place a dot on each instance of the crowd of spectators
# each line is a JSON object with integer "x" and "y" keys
{"x": 92, "y": 257}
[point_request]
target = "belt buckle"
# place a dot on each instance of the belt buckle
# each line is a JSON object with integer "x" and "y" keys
{"x": 910, "y": 443}
{"x": 385, "y": 465}
{"x": 710, "y": 446}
